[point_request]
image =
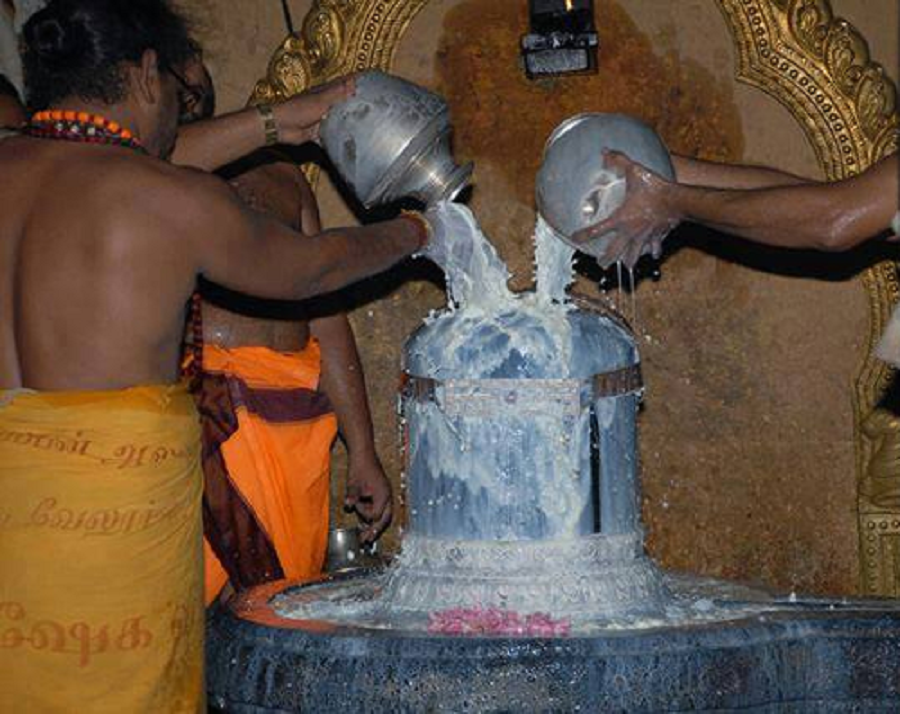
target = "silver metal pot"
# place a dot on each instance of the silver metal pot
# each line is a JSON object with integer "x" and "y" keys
{"x": 391, "y": 140}
{"x": 346, "y": 552}
{"x": 574, "y": 188}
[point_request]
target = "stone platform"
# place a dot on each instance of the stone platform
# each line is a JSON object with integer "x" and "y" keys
{"x": 776, "y": 656}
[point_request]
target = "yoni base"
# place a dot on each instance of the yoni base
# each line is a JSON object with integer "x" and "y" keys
{"x": 813, "y": 656}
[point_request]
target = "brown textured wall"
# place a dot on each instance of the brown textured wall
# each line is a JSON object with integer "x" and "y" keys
{"x": 502, "y": 119}
{"x": 747, "y": 434}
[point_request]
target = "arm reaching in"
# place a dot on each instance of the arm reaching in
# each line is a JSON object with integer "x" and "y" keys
{"x": 761, "y": 205}
{"x": 213, "y": 143}
{"x": 252, "y": 253}
{"x": 695, "y": 172}
{"x": 368, "y": 490}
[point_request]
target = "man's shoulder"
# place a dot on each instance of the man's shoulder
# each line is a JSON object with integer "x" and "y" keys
{"x": 148, "y": 196}
{"x": 165, "y": 185}
{"x": 277, "y": 175}
{"x": 277, "y": 188}
{"x": 162, "y": 173}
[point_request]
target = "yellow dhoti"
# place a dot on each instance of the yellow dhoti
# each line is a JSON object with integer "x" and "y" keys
{"x": 101, "y": 578}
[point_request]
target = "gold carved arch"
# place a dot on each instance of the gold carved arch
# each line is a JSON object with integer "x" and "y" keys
{"x": 814, "y": 63}
{"x": 337, "y": 37}
{"x": 818, "y": 66}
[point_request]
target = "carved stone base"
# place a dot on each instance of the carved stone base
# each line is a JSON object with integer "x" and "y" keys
{"x": 791, "y": 655}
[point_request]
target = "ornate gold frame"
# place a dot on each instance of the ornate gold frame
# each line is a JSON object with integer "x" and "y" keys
{"x": 814, "y": 63}
{"x": 818, "y": 66}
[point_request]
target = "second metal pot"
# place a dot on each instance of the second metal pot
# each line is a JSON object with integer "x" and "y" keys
{"x": 574, "y": 188}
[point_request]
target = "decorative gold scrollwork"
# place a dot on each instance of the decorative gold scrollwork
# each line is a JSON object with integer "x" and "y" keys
{"x": 880, "y": 488}
{"x": 877, "y": 99}
{"x": 323, "y": 31}
{"x": 808, "y": 21}
{"x": 338, "y": 36}
{"x": 819, "y": 67}
{"x": 842, "y": 56}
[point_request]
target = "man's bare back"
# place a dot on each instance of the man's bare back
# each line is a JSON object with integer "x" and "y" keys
{"x": 78, "y": 264}
{"x": 280, "y": 190}
{"x": 100, "y": 249}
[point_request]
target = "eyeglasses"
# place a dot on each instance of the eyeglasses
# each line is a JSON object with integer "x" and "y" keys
{"x": 189, "y": 97}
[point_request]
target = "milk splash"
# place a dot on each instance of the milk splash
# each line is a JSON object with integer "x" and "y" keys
{"x": 476, "y": 275}
{"x": 553, "y": 264}
{"x": 522, "y": 335}
{"x": 499, "y": 457}
{"x": 537, "y": 485}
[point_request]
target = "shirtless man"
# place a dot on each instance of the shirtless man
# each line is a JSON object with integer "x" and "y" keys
{"x": 287, "y": 489}
{"x": 101, "y": 243}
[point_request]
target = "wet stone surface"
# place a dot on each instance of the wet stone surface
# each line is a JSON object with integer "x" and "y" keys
{"x": 740, "y": 649}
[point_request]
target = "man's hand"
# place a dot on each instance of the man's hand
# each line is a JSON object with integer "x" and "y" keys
{"x": 299, "y": 117}
{"x": 369, "y": 495}
{"x": 639, "y": 226}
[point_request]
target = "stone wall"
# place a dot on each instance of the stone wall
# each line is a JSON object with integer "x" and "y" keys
{"x": 747, "y": 431}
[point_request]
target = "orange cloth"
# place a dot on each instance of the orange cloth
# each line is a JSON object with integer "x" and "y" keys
{"x": 276, "y": 459}
{"x": 101, "y": 606}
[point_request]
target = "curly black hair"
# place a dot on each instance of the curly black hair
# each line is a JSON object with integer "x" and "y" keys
{"x": 81, "y": 47}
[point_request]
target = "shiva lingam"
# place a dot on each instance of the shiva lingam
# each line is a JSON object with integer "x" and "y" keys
{"x": 521, "y": 467}
{"x": 520, "y": 443}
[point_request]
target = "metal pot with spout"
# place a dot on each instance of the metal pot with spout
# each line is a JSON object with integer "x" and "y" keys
{"x": 391, "y": 140}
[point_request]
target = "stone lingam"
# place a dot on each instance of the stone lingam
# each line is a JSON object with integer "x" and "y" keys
{"x": 522, "y": 584}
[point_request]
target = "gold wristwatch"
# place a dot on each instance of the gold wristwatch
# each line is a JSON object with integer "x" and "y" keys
{"x": 269, "y": 123}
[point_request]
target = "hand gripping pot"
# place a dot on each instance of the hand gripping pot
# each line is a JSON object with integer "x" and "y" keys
{"x": 391, "y": 140}
{"x": 574, "y": 188}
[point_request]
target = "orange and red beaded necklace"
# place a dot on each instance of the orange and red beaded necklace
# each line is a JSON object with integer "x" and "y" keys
{"x": 82, "y": 127}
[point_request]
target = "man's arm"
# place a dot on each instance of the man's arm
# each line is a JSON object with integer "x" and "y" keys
{"x": 249, "y": 252}
{"x": 213, "y": 143}
{"x": 695, "y": 172}
{"x": 368, "y": 490}
{"x": 821, "y": 216}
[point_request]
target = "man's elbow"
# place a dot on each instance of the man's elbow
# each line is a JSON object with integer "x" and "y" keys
{"x": 328, "y": 280}
{"x": 840, "y": 232}
{"x": 831, "y": 241}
